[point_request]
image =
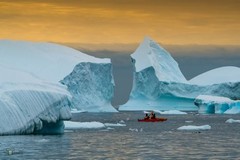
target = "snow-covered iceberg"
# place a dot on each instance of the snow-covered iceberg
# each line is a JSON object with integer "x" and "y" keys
{"x": 89, "y": 79}
{"x": 158, "y": 83}
{"x": 215, "y": 104}
{"x": 29, "y": 105}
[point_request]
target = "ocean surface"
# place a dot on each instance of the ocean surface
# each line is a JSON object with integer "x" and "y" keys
{"x": 137, "y": 140}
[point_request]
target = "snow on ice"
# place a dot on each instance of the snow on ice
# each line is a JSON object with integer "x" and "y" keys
{"x": 33, "y": 98}
{"x": 70, "y": 125}
{"x": 29, "y": 105}
{"x": 88, "y": 79}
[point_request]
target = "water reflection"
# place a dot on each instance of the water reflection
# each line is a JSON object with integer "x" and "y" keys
{"x": 156, "y": 141}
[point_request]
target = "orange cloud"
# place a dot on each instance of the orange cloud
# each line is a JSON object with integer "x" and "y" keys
{"x": 119, "y": 21}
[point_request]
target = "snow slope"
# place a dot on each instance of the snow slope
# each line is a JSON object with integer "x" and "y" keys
{"x": 29, "y": 105}
{"x": 216, "y": 76}
{"x": 158, "y": 83}
{"x": 54, "y": 63}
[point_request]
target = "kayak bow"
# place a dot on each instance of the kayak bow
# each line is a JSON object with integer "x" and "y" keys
{"x": 153, "y": 120}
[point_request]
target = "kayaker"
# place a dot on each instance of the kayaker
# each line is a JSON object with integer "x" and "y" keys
{"x": 152, "y": 115}
{"x": 146, "y": 116}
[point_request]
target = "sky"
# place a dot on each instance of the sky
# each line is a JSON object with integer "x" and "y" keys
{"x": 200, "y": 34}
{"x": 122, "y": 21}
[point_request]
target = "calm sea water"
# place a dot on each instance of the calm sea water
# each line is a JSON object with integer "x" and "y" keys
{"x": 135, "y": 141}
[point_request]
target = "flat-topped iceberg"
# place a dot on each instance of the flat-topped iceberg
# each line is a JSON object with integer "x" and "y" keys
{"x": 215, "y": 104}
{"x": 88, "y": 79}
{"x": 29, "y": 105}
{"x": 159, "y": 84}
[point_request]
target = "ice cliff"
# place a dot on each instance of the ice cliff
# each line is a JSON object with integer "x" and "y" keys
{"x": 29, "y": 105}
{"x": 214, "y": 104}
{"x": 92, "y": 86}
{"x": 89, "y": 79}
{"x": 159, "y": 84}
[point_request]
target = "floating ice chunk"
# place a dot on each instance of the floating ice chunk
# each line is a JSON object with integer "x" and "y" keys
{"x": 215, "y": 104}
{"x": 69, "y": 125}
{"x": 133, "y": 129}
{"x": 188, "y": 121}
{"x": 190, "y": 127}
{"x": 114, "y": 125}
{"x": 122, "y": 121}
{"x": 170, "y": 112}
{"x": 109, "y": 128}
{"x": 232, "y": 121}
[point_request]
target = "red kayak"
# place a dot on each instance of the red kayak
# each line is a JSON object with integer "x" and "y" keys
{"x": 153, "y": 120}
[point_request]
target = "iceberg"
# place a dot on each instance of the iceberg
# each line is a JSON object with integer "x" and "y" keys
{"x": 88, "y": 79}
{"x": 158, "y": 83}
{"x": 215, "y": 104}
{"x": 31, "y": 106}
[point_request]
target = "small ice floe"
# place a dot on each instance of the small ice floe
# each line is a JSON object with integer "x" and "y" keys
{"x": 114, "y": 125}
{"x": 9, "y": 151}
{"x": 136, "y": 130}
{"x": 42, "y": 140}
{"x": 74, "y": 110}
{"x": 122, "y": 121}
{"x": 133, "y": 129}
{"x": 170, "y": 112}
{"x": 188, "y": 121}
{"x": 232, "y": 121}
{"x": 191, "y": 128}
{"x": 69, "y": 125}
{"x": 127, "y": 119}
{"x": 109, "y": 128}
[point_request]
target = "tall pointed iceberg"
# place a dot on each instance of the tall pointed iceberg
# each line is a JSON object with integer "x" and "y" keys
{"x": 159, "y": 84}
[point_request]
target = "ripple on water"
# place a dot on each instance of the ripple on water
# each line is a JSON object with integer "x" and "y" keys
{"x": 156, "y": 141}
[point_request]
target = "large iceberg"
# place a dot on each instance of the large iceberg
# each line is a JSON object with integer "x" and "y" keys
{"x": 159, "y": 84}
{"x": 29, "y": 105}
{"x": 215, "y": 104}
{"x": 89, "y": 79}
